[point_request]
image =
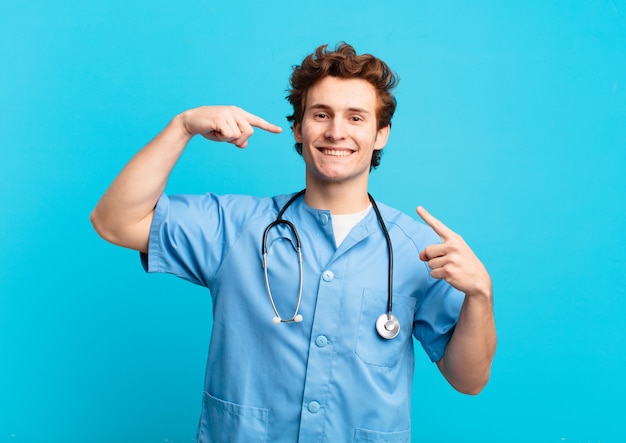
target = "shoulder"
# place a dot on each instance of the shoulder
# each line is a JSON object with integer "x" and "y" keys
{"x": 238, "y": 206}
{"x": 409, "y": 229}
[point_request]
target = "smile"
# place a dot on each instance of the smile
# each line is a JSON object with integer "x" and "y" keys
{"x": 336, "y": 152}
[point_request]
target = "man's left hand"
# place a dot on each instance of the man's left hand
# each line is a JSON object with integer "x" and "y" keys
{"x": 453, "y": 261}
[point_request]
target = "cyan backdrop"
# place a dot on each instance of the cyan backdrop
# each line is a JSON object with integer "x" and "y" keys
{"x": 511, "y": 128}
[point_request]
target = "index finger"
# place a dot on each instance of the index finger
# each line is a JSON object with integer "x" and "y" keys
{"x": 440, "y": 229}
{"x": 258, "y": 122}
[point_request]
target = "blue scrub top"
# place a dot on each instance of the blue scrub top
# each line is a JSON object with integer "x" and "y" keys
{"x": 331, "y": 377}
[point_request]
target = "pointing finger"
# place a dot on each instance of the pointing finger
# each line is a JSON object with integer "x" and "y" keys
{"x": 263, "y": 124}
{"x": 440, "y": 229}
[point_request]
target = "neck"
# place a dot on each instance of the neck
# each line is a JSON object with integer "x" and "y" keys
{"x": 336, "y": 198}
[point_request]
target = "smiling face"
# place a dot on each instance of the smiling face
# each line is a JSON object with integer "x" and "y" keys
{"x": 339, "y": 132}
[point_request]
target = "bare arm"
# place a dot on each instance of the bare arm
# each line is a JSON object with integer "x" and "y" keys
{"x": 124, "y": 213}
{"x": 466, "y": 363}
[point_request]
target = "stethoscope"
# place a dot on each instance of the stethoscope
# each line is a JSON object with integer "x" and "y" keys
{"x": 387, "y": 324}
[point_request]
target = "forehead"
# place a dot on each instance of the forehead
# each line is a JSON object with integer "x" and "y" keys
{"x": 341, "y": 94}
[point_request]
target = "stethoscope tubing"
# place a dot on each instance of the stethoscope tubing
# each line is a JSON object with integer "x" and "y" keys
{"x": 296, "y": 317}
{"x": 389, "y": 253}
{"x": 279, "y": 221}
{"x": 387, "y": 325}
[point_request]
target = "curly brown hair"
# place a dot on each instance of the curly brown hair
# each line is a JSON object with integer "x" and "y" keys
{"x": 343, "y": 62}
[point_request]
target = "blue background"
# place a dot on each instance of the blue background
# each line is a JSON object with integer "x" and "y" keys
{"x": 511, "y": 128}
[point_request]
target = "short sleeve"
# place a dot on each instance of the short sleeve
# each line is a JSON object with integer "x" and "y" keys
{"x": 436, "y": 318}
{"x": 191, "y": 235}
{"x": 185, "y": 238}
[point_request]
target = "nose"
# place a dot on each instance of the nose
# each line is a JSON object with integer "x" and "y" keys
{"x": 335, "y": 130}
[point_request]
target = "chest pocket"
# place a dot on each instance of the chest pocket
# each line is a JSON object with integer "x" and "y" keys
{"x": 370, "y": 347}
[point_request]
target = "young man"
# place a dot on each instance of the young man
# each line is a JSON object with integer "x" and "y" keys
{"x": 319, "y": 349}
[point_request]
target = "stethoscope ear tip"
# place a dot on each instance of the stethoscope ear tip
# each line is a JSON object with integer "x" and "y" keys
{"x": 296, "y": 318}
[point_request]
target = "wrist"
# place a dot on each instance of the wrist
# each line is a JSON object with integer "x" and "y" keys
{"x": 483, "y": 293}
{"x": 179, "y": 123}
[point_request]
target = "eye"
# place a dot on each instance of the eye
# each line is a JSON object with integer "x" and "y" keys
{"x": 320, "y": 115}
{"x": 356, "y": 118}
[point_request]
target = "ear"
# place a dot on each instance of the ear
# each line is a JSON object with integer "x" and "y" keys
{"x": 297, "y": 132}
{"x": 381, "y": 137}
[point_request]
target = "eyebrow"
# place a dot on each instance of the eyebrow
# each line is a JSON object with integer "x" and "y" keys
{"x": 323, "y": 107}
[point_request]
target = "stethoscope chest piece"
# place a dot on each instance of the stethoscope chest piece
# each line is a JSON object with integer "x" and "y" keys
{"x": 387, "y": 326}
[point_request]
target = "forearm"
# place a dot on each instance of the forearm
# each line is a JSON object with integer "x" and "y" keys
{"x": 123, "y": 214}
{"x": 468, "y": 356}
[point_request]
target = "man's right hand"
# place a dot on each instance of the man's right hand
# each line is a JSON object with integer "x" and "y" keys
{"x": 225, "y": 124}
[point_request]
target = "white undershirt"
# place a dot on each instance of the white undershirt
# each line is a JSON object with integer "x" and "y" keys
{"x": 343, "y": 224}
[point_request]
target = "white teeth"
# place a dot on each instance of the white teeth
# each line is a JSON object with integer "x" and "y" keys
{"x": 336, "y": 153}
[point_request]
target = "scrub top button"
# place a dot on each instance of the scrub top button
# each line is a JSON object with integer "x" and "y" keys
{"x": 323, "y": 219}
{"x": 321, "y": 341}
{"x": 314, "y": 407}
{"x": 328, "y": 275}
